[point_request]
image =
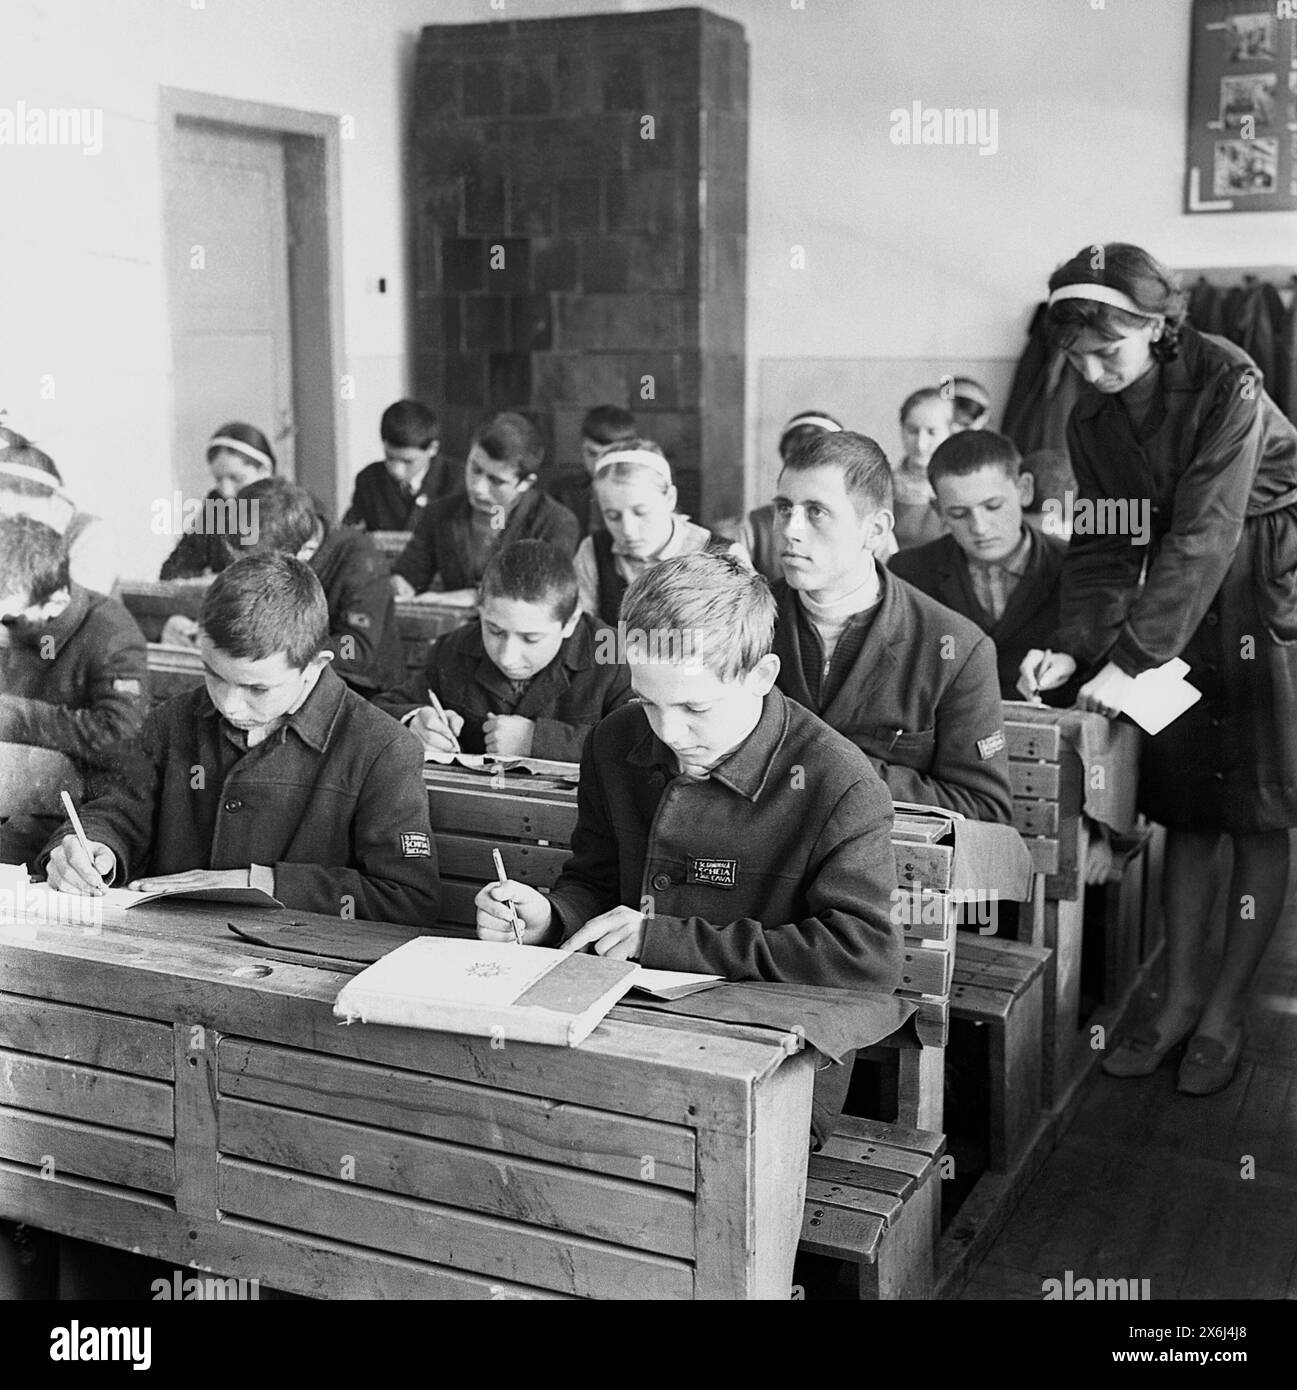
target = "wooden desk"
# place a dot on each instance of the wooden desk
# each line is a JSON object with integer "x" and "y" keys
{"x": 418, "y": 622}
{"x": 169, "y": 1089}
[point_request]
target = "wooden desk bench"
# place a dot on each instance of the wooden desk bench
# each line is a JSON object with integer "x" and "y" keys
{"x": 421, "y": 622}
{"x": 169, "y": 1089}
{"x": 877, "y": 1203}
{"x": 152, "y": 602}
{"x": 1049, "y": 786}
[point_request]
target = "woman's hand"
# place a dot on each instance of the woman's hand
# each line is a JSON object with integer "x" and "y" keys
{"x": 1106, "y": 692}
{"x": 1043, "y": 670}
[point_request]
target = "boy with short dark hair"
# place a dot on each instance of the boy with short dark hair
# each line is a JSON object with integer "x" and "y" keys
{"x": 354, "y": 574}
{"x": 528, "y": 678}
{"x": 73, "y": 669}
{"x": 991, "y": 567}
{"x": 391, "y": 494}
{"x": 272, "y": 774}
{"x": 905, "y": 679}
{"x": 602, "y": 427}
{"x": 501, "y": 502}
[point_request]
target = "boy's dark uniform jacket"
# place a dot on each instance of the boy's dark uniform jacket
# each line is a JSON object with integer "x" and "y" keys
{"x": 940, "y": 570}
{"x": 565, "y": 700}
{"x": 84, "y": 692}
{"x": 333, "y": 802}
{"x": 380, "y": 503}
{"x": 921, "y": 699}
{"x": 441, "y": 541}
{"x": 777, "y": 867}
{"x": 356, "y": 581}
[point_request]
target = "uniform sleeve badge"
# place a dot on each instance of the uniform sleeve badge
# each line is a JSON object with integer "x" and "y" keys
{"x": 415, "y": 845}
{"x": 989, "y": 747}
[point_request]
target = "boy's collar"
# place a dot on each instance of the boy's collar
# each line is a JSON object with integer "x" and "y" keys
{"x": 314, "y": 719}
{"x": 747, "y": 769}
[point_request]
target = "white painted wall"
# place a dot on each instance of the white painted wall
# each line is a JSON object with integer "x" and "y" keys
{"x": 913, "y": 255}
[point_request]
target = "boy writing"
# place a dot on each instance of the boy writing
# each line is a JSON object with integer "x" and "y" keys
{"x": 390, "y": 495}
{"x": 909, "y": 682}
{"x": 73, "y": 668}
{"x": 720, "y": 827}
{"x": 272, "y": 774}
{"x": 527, "y": 679}
{"x": 501, "y": 502}
{"x": 991, "y": 567}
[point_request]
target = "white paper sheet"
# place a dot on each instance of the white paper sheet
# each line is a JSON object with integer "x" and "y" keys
{"x": 1160, "y": 696}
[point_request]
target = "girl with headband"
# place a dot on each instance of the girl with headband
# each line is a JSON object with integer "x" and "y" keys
{"x": 31, "y": 485}
{"x": 237, "y": 454}
{"x": 1178, "y": 427}
{"x": 637, "y": 497}
{"x": 927, "y": 418}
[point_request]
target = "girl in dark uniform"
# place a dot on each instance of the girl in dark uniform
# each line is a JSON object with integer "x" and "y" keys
{"x": 1194, "y": 555}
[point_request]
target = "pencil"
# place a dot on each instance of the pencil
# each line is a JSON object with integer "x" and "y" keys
{"x": 436, "y": 704}
{"x": 78, "y": 828}
{"x": 513, "y": 911}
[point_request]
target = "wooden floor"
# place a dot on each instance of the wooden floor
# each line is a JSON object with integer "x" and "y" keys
{"x": 1148, "y": 1184}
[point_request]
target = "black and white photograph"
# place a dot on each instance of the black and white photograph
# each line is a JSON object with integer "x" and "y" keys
{"x": 648, "y": 652}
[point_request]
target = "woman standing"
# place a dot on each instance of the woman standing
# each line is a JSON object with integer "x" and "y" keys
{"x": 1177, "y": 426}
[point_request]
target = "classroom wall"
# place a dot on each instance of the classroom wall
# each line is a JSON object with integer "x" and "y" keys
{"x": 913, "y": 256}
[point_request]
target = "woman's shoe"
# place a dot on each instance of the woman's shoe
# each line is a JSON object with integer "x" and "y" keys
{"x": 1142, "y": 1052}
{"x": 1209, "y": 1066}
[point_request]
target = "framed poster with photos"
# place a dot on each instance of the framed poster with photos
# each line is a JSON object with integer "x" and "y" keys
{"x": 1241, "y": 143}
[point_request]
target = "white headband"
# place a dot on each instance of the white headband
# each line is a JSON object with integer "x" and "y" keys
{"x": 225, "y": 441}
{"x": 1101, "y": 294}
{"x": 646, "y": 458}
{"x": 823, "y": 421}
{"x": 55, "y": 509}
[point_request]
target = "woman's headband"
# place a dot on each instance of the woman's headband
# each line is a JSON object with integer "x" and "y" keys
{"x": 1101, "y": 294}
{"x": 646, "y": 458}
{"x": 225, "y": 441}
{"x": 820, "y": 421}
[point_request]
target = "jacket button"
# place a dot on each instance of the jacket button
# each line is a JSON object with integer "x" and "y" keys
{"x": 1211, "y": 620}
{"x": 656, "y": 779}
{"x": 233, "y": 805}
{"x": 661, "y": 882}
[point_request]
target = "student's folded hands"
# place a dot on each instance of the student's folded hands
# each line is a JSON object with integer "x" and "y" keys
{"x": 508, "y": 735}
{"x": 494, "y": 922}
{"x": 70, "y": 871}
{"x": 618, "y": 934}
{"x": 194, "y": 878}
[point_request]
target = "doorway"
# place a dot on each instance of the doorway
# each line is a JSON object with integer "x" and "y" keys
{"x": 253, "y": 268}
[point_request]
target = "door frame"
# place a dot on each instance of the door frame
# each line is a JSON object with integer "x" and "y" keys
{"x": 313, "y": 195}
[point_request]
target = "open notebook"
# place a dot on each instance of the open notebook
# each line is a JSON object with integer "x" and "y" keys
{"x": 487, "y": 989}
{"x": 40, "y": 899}
{"x": 499, "y": 989}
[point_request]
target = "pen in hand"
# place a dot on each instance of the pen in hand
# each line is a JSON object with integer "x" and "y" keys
{"x": 513, "y": 911}
{"x": 80, "y": 832}
{"x": 436, "y": 705}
